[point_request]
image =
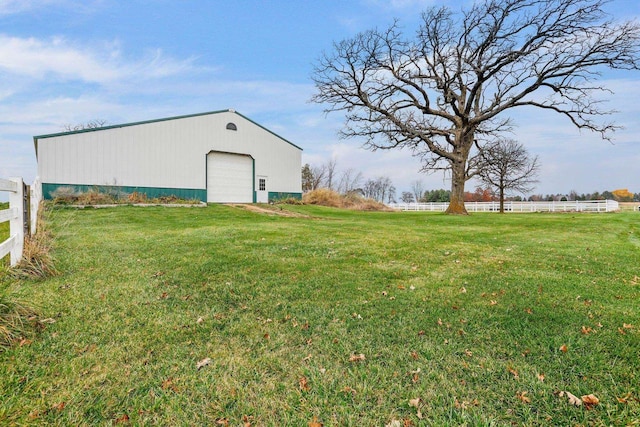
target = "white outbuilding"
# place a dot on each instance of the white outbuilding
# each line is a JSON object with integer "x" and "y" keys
{"x": 216, "y": 157}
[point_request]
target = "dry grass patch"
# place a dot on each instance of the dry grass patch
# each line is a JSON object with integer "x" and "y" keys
{"x": 16, "y": 320}
{"x": 111, "y": 196}
{"x": 330, "y": 198}
{"x": 270, "y": 210}
{"x": 36, "y": 262}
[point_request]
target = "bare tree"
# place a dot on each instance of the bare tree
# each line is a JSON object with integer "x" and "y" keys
{"x": 407, "y": 197}
{"x": 391, "y": 194}
{"x": 307, "y": 178}
{"x": 317, "y": 176}
{"x": 417, "y": 187}
{"x": 448, "y": 89}
{"x": 92, "y": 124}
{"x": 380, "y": 189}
{"x": 330, "y": 173}
{"x": 505, "y": 166}
{"x": 349, "y": 181}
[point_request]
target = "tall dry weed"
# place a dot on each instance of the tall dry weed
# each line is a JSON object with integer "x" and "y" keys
{"x": 16, "y": 320}
{"x": 37, "y": 261}
{"x": 353, "y": 201}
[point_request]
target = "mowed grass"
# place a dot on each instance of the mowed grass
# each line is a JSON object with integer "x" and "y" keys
{"x": 468, "y": 314}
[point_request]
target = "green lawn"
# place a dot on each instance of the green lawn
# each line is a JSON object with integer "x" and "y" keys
{"x": 468, "y": 314}
{"x": 4, "y": 234}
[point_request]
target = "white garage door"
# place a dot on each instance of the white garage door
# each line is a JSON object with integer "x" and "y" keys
{"x": 229, "y": 178}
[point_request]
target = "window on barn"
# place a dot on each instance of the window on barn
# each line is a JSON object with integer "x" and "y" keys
{"x": 231, "y": 126}
{"x": 262, "y": 184}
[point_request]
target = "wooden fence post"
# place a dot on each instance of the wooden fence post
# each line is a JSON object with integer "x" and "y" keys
{"x": 36, "y": 195}
{"x": 17, "y": 225}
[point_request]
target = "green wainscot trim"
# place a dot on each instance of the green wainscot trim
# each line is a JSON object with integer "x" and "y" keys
{"x": 150, "y": 192}
{"x": 274, "y": 196}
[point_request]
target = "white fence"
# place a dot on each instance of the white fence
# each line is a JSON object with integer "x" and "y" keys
{"x": 569, "y": 206}
{"x": 22, "y": 216}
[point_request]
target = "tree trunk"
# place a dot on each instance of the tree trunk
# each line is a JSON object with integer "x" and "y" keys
{"x": 456, "y": 200}
{"x": 501, "y": 196}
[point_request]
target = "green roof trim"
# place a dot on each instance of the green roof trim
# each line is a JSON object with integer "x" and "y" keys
{"x": 144, "y": 122}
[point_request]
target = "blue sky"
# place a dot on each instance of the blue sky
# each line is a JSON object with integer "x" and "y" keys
{"x": 68, "y": 62}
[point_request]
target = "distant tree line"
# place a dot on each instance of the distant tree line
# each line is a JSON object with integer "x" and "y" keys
{"x": 621, "y": 195}
{"x": 348, "y": 181}
{"x": 484, "y": 194}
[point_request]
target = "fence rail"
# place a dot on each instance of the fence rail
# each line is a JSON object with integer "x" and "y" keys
{"x": 22, "y": 216}
{"x": 568, "y": 206}
{"x": 15, "y": 215}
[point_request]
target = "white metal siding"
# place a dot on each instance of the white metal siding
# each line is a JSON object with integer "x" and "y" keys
{"x": 229, "y": 178}
{"x": 170, "y": 153}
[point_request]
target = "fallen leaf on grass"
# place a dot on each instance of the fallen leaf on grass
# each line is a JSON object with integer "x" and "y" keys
{"x": 123, "y": 419}
{"x": 513, "y": 372}
{"x": 315, "y": 423}
{"x": 222, "y": 422}
{"x": 573, "y": 400}
{"x": 246, "y": 420}
{"x": 394, "y": 423}
{"x": 563, "y": 348}
{"x": 493, "y": 302}
{"x": 169, "y": 385}
{"x": 586, "y": 330}
{"x": 541, "y": 377}
{"x": 306, "y": 359}
{"x": 416, "y": 403}
{"x": 627, "y": 326}
{"x": 590, "y": 401}
{"x": 522, "y": 396}
{"x": 200, "y": 320}
{"x": 357, "y": 358}
{"x": 304, "y": 384}
{"x": 204, "y": 362}
{"x": 59, "y": 406}
{"x": 627, "y": 398}
{"x": 464, "y": 404}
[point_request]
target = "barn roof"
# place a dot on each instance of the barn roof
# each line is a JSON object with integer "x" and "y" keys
{"x": 51, "y": 135}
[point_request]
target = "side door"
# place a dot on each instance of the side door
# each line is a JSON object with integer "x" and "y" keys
{"x": 262, "y": 191}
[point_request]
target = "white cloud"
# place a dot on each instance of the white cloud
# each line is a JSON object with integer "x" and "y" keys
{"x": 9, "y": 7}
{"x": 12, "y": 7}
{"x": 58, "y": 57}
